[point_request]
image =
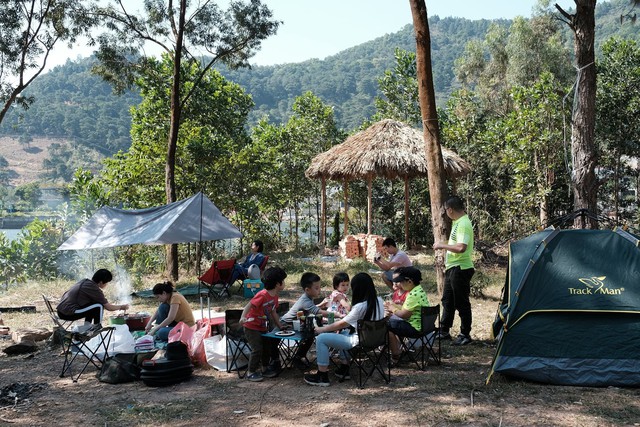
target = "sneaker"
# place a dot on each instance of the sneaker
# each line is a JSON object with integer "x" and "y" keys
{"x": 443, "y": 335}
{"x": 272, "y": 371}
{"x": 462, "y": 340}
{"x": 319, "y": 378}
{"x": 300, "y": 363}
{"x": 343, "y": 372}
{"x": 255, "y": 377}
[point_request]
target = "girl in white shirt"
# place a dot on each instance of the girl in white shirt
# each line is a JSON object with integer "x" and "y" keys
{"x": 366, "y": 305}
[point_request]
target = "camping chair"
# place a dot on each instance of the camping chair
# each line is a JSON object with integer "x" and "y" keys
{"x": 76, "y": 344}
{"x": 215, "y": 282}
{"x": 372, "y": 352}
{"x": 237, "y": 345}
{"x": 426, "y": 341}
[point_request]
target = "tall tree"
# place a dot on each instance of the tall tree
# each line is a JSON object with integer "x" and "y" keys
{"x": 180, "y": 29}
{"x": 427, "y": 98}
{"x": 583, "y": 147}
{"x": 29, "y": 30}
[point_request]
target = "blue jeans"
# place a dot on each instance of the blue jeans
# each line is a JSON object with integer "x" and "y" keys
{"x": 162, "y": 334}
{"x": 343, "y": 341}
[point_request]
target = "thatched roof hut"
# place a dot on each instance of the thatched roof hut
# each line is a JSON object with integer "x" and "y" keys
{"x": 387, "y": 149}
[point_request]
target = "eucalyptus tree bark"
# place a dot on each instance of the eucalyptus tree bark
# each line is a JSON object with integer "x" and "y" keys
{"x": 231, "y": 36}
{"x": 174, "y": 127}
{"x": 435, "y": 164}
{"x": 583, "y": 148}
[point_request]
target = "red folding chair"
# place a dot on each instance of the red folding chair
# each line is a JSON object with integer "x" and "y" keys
{"x": 218, "y": 277}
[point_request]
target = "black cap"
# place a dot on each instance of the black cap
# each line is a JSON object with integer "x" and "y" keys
{"x": 405, "y": 273}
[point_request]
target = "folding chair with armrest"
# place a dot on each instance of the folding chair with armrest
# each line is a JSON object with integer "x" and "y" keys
{"x": 217, "y": 279}
{"x": 426, "y": 341}
{"x": 237, "y": 344}
{"x": 215, "y": 282}
{"x": 372, "y": 354}
{"x": 76, "y": 344}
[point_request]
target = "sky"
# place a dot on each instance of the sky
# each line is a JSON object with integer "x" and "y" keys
{"x": 317, "y": 29}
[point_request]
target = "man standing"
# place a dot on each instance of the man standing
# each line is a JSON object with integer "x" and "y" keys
{"x": 458, "y": 272}
{"x": 397, "y": 259}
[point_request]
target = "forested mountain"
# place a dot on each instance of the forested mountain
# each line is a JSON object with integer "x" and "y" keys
{"x": 73, "y": 104}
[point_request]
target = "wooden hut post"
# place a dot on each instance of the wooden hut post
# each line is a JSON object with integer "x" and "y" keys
{"x": 346, "y": 207}
{"x": 323, "y": 214}
{"x": 369, "y": 204}
{"x": 406, "y": 212}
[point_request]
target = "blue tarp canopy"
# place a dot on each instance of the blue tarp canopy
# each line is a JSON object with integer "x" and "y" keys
{"x": 194, "y": 219}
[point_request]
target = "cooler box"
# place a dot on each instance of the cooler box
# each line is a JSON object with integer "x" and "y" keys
{"x": 252, "y": 287}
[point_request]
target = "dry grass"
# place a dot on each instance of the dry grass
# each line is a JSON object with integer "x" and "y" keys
{"x": 454, "y": 393}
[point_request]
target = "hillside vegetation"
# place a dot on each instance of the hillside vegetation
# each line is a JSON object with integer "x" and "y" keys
{"x": 73, "y": 104}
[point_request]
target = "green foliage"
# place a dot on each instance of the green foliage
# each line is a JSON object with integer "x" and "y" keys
{"x": 212, "y": 130}
{"x": 399, "y": 88}
{"x": 29, "y": 194}
{"x": 12, "y": 266}
{"x": 29, "y": 31}
{"x": 618, "y": 122}
{"x": 32, "y": 254}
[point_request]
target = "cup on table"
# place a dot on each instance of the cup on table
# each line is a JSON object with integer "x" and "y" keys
{"x": 296, "y": 325}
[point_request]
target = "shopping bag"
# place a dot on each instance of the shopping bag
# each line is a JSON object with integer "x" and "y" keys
{"x": 183, "y": 333}
{"x": 197, "y": 352}
{"x": 215, "y": 348}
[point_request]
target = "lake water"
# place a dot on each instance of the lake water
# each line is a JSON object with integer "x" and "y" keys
{"x": 11, "y": 234}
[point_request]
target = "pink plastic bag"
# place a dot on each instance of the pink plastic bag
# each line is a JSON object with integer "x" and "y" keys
{"x": 197, "y": 351}
{"x": 183, "y": 333}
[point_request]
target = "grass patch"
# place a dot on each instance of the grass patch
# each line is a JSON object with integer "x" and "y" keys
{"x": 149, "y": 414}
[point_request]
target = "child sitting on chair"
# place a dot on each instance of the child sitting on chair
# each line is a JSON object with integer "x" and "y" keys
{"x": 337, "y": 302}
{"x": 399, "y": 295}
{"x": 260, "y": 316}
{"x": 310, "y": 283}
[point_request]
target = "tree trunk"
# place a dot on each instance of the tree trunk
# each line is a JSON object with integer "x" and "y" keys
{"x": 583, "y": 151}
{"x": 323, "y": 214}
{"x": 346, "y": 208}
{"x": 369, "y": 203}
{"x": 174, "y": 127}
{"x": 435, "y": 164}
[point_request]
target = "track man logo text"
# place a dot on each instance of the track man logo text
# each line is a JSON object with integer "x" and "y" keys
{"x": 595, "y": 286}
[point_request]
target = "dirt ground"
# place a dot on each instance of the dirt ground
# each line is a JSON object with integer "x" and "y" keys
{"x": 453, "y": 393}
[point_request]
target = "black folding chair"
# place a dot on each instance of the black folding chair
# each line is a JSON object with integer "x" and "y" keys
{"x": 237, "y": 345}
{"x": 372, "y": 354}
{"x": 425, "y": 345}
{"x": 76, "y": 344}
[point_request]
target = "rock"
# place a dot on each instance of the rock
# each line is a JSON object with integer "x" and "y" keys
{"x": 23, "y": 347}
{"x": 30, "y": 334}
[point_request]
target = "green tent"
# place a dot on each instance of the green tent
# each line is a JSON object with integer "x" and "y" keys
{"x": 570, "y": 309}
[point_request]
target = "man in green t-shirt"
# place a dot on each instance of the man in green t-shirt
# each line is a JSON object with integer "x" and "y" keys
{"x": 458, "y": 272}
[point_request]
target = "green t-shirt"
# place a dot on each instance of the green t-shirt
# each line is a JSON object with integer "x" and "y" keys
{"x": 416, "y": 298}
{"x": 461, "y": 232}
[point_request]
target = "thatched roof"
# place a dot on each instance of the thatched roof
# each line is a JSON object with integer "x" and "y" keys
{"x": 388, "y": 149}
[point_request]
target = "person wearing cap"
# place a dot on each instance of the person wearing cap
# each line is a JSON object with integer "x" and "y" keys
{"x": 405, "y": 320}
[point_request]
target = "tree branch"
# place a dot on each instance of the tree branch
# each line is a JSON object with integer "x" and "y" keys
{"x": 568, "y": 16}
